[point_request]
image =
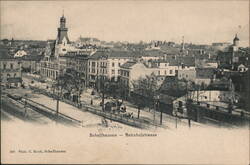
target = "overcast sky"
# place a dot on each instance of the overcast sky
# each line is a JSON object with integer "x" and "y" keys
{"x": 199, "y": 22}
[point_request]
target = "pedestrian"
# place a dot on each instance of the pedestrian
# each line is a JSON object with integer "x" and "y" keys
{"x": 91, "y": 102}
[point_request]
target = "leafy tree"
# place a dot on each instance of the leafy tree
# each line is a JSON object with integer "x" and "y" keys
{"x": 145, "y": 89}
{"x": 71, "y": 82}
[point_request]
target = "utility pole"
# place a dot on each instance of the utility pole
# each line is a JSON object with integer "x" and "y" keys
{"x": 102, "y": 78}
{"x": 161, "y": 112}
{"x": 154, "y": 109}
{"x": 25, "y": 108}
{"x": 176, "y": 120}
{"x": 57, "y": 96}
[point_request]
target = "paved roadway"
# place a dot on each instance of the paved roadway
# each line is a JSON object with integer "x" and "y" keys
{"x": 15, "y": 110}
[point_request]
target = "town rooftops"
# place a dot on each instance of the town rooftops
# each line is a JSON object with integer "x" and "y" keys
{"x": 81, "y": 39}
{"x": 4, "y": 53}
{"x": 32, "y": 58}
{"x": 153, "y": 53}
{"x": 128, "y": 64}
{"x": 113, "y": 54}
{"x": 177, "y": 61}
{"x": 205, "y": 73}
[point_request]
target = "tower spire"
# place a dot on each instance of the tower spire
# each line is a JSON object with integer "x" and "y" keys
{"x": 63, "y": 13}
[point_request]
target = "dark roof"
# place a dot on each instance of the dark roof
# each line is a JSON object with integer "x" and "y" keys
{"x": 33, "y": 58}
{"x": 170, "y": 50}
{"x": 114, "y": 54}
{"x": 178, "y": 60}
{"x": 187, "y": 61}
{"x": 99, "y": 54}
{"x": 155, "y": 53}
{"x": 4, "y": 53}
{"x": 205, "y": 73}
{"x": 88, "y": 39}
{"x": 128, "y": 64}
{"x": 123, "y": 54}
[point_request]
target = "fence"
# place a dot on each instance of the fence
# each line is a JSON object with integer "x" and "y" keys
{"x": 112, "y": 116}
{"x": 201, "y": 111}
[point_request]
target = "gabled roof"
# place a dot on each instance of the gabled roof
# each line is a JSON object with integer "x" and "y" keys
{"x": 241, "y": 66}
{"x": 128, "y": 64}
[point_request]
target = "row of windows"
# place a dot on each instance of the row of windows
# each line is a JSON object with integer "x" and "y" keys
{"x": 183, "y": 75}
{"x": 101, "y": 71}
{"x": 49, "y": 73}
{"x": 94, "y": 64}
{"x": 124, "y": 73}
{"x": 11, "y": 66}
{"x": 103, "y": 64}
{"x": 9, "y": 75}
{"x": 170, "y": 72}
{"x": 113, "y": 64}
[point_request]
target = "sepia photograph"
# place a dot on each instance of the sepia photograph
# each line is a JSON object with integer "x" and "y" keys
{"x": 124, "y": 82}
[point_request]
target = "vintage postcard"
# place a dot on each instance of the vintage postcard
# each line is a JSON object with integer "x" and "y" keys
{"x": 124, "y": 82}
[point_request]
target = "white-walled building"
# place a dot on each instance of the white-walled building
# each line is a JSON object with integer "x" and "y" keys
{"x": 20, "y": 53}
{"x": 132, "y": 71}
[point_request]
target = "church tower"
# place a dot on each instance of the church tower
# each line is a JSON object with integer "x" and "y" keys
{"x": 236, "y": 42}
{"x": 62, "y": 40}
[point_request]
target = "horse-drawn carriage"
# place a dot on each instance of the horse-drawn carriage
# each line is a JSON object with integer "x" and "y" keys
{"x": 115, "y": 106}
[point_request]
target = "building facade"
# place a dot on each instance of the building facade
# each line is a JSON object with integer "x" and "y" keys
{"x": 54, "y": 50}
{"x": 10, "y": 70}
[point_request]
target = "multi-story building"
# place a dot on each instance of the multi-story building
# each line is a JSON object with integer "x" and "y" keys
{"x": 234, "y": 56}
{"x": 171, "y": 66}
{"x": 10, "y": 70}
{"x": 107, "y": 64}
{"x": 31, "y": 63}
{"x": 77, "y": 61}
{"x": 131, "y": 71}
{"x": 199, "y": 75}
{"x": 54, "y": 50}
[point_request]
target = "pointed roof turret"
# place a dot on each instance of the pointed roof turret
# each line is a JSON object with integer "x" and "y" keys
{"x": 236, "y": 38}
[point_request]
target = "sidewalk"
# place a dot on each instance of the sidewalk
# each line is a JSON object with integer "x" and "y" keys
{"x": 167, "y": 120}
